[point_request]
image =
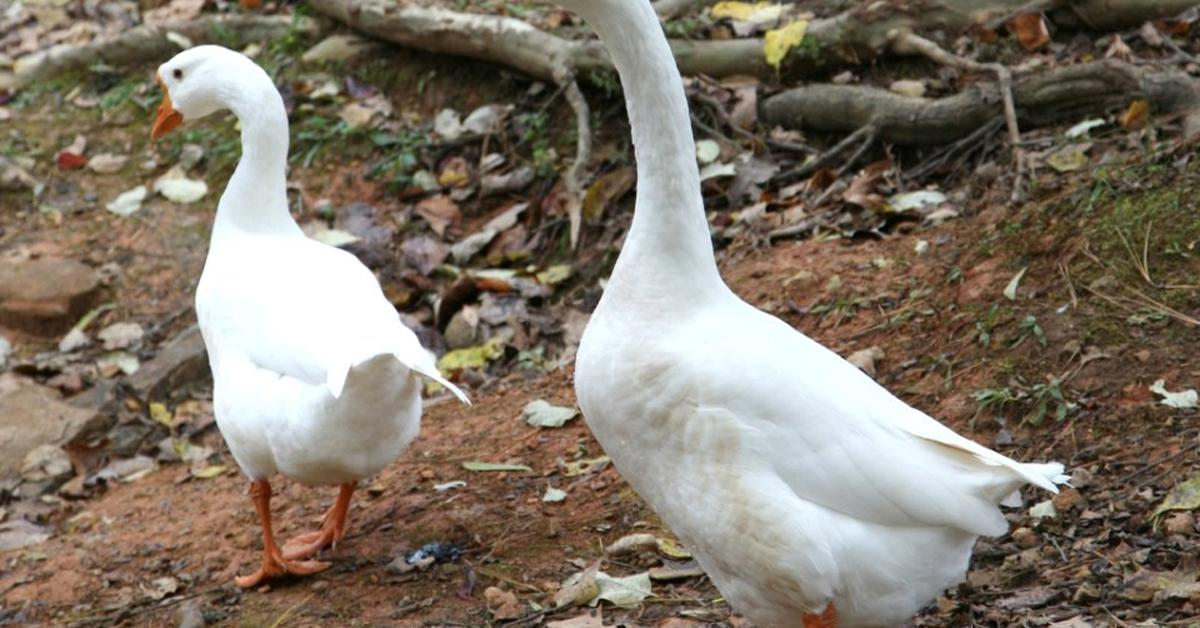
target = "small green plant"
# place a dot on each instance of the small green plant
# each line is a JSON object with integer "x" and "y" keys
{"x": 841, "y": 309}
{"x": 992, "y": 399}
{"x": 1028, "y": 328}
{"x": 1044, "y": 396}
{"x": 984, "y": 328}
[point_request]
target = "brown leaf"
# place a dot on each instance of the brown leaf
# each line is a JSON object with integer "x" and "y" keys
{"x": 1136, "y": 115}
{"x": 439, "y": 211}
{"x": 861, "y": 190}
{"x": 1030, "y": 30}
{"x": 1118, "y": 49}
{"x": 607, "y": 190}
{"x": 455, "y": 173}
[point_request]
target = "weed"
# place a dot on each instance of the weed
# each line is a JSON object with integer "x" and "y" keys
{"x": 1045, "y": 395}
{"x": 1028, "y": 328}
{"x": 984, "y": 328}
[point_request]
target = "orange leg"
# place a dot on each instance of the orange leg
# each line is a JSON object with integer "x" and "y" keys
{"x": 273, "y": 562}
{"x": 827, "y": 618}
{"x": 333, "y": 528}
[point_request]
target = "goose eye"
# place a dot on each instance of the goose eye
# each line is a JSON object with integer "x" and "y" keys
{"x": 178, "y": 74}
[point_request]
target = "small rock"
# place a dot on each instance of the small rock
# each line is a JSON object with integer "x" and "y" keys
{"x": 540, "y": 413}
{"x": 1180, "y": 523}
{"x": 865, "y": 359}
{"x": 73, "y": 340}
{"x": 45, "y": 297}
{"x": 32, "y": 415}
{"x": 463, "y": 329}
{"x": 13, "y": 177}
{"x": 190, "y": 615}
{"x": 46, "y": 463}
{"x": 1025, "y": 538}
{"x": 1142, "y": 355}
{"x": 502, "y": 604}
{"x": 20, "y": 533}
{"x": 1067, "y": 499}
{"x": 181, "y": 363}
{"x": 120, "y": 335}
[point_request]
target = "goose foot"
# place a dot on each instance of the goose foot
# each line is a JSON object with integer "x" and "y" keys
{"x": 333, "y": 528}
{"x": 273, "y": 562}
{"x": 827, "y": 618}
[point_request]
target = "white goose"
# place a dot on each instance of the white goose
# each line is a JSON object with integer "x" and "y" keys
{"x": 809, "y": 494}
{"x": 314, "y": 375}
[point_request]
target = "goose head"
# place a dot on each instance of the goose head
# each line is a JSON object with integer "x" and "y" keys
{"x": 206, "y": 79}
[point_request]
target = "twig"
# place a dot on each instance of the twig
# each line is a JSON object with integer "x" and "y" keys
{"x": 865, "y": 135}
{"x": 573, "y": 179}
{"x": 967, "y": 145}
{"x": 719, "y": 111}
{"x": 904, "y": 42}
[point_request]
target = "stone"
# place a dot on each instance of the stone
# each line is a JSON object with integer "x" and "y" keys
{"x": 32, "y": 415}
{"x": 181, "y": 363}
{"x": 45, "y": 297}
{"x": 865, "y": 359}
{"x": 14, "y": 177}
{"x": 46, "y": 463}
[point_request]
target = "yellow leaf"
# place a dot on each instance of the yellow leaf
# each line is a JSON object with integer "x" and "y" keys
{"x": 475, "y": 357}
{"x": 741, "y": 11}
{"x": 160, "y": 414}
{"x": 778, "y": 42}
{"x": 1136, "y": 115}
{"x": 209, "y": 472}
{"x": 554, "y": 275}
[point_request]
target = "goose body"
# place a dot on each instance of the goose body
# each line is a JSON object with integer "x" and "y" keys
{"x": 808, "y": 493}
{"x": 315, "y": 377}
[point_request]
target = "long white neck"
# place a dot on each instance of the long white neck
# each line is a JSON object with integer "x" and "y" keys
{"x": 667, "y": 254}
{"x": 255, "y": 200}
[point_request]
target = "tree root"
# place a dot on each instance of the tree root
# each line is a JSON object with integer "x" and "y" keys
{"x": 142, "y": 43}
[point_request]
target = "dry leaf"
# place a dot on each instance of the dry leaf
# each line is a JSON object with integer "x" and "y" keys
{"x": 439, "y": 211}
{"x": 1136, "y": 115}
{"x": 1030, "y": 30}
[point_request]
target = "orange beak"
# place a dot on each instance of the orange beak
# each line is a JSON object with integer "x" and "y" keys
{"x": 167, "y": 118}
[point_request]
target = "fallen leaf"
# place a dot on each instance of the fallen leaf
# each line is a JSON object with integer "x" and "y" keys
{"x": 175, "y": 10}
{"x": 445, "y": 486}
{"x": 1010, "y": 291}
{"x": 475, "y": 357}
{"x": 160, "y": 414}
{"x": 1136, "y": 115}
{"x": 1181, "y": 400}
{"x": 540, "y": 413}
{"x": 1146, "y": 584}
{"x": 583, "y": 467}
{"x": 1184, "y": 496}
{"x": 673, "y": 570}
{"x": 1043, "y": 510}
{"x": 746, "y": 11}
{"x": 455, "y": 173}
{"x": 554, "y": 274}
{"x": 475, "y": 465}
{"x": 607, "y": 190}
{"x": 128, "y": 202}
{"x": 777, "y": 42}
{"x": 1069, "y": 158}
{"x": 554, "y": 495}
{"x": 448, "y": 124}
{"x": 208, "y": 472}
{"x": 578, "y": 589}
{"x": 672, "y": 549}
{"x": 440, "y": 212}
{"x": 625, "y": 592}
{"x": 632, "y": 544}
{"x": 486, "y": 119}
{"x": 1030, "y": 30}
